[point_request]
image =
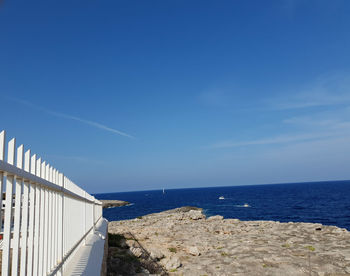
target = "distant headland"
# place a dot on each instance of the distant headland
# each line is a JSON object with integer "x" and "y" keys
{"x": 113, "y": 203}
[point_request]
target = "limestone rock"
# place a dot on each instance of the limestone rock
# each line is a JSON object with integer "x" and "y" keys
{"x": 217, "y": 217}
{"x": 172, "y": 263}
{"x": 193, "y": 250}
{"x": 235, "y": 247}
{"x": 113, "y": 203}
{"x": 156, "y": 254}
{"x": 130, "y": 243}
{"x": 195, "y": 215}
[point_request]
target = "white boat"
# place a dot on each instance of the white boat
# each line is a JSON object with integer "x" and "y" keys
{"x": 163, "y": 191}
{"x": 246, "y": 205}
{"x": 221, "y": 197}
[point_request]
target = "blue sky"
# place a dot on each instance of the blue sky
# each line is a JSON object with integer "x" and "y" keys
{"x": 136, "y": 95}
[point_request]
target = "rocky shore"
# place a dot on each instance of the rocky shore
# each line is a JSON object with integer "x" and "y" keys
{"x": 113, "y": 203}
{"x": 184, "y": 242}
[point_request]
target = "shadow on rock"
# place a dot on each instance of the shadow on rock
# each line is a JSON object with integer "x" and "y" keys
{"x": 126, "y": 256}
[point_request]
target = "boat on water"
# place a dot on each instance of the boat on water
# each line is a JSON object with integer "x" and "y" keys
{"x": 246, "y": 205}
{"x": 163, "y": 191}
{"x": 221, "y": 197}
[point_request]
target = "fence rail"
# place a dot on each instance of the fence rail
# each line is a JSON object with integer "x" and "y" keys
{"x": 45, "y": 217}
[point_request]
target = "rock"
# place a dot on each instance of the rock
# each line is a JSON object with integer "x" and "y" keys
{"x": 185, "y": 209}
{"x": 136, "y": 251}
{"x": 235, "y": 247}
{"x": 172, "y": 263}
{"x": 156, "y": 254}
{"x": 215, "y": 218}
{"x": 130, "y": 243}
{"x": 195, "y": 215}
{"x": 169, "y": 224}
{"x": 113, "y": 203}
{"x": 193, "y": 250}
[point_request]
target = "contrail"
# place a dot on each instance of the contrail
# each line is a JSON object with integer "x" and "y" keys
{"x": 69, "y": 117}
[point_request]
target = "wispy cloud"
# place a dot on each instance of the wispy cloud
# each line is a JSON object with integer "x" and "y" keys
{"x": 333, "y": 118}
{"x": 310, "y": 121}
{"x": 313, "y": 99}
{"x": 318, "y": 111}
{"x": 319, "y": 123}
{"x": 308, "y": 128}
{"x": 282, "y": 139}
{"x": 74, "y": 118}
{"x": 327, "y": 91}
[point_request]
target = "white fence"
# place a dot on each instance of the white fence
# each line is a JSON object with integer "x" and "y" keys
{"x": 45, "y": 217}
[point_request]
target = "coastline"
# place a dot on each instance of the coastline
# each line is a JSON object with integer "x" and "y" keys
{"x": 183, "y": 241}
{"x": 113, "y": 203}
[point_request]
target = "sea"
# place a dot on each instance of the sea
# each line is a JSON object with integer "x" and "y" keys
{"x": 318, "y": 202}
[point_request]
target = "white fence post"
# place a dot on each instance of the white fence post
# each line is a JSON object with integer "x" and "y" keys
{"x": 2, "y": 156}
{"x": 93, "y": 216}
{"x": 38, "y": 195}
{"x": 24, "y": 225}
{"x": 17, "y": 214}
{"x": 84, "y": 225}
{"x": 46, "y": 221}
{"x": 8, "y": 211}
{"x": 62, "y": 243}
{"x": 32, "y": 204}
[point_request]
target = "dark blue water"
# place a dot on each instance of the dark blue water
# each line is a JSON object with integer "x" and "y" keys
{"x": 323, "y": 202}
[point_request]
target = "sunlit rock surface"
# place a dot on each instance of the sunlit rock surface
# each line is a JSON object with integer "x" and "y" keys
{"x": 184, "y": 242}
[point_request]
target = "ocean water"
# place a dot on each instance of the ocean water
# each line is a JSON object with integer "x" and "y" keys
{"x": 322, "y": 202}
